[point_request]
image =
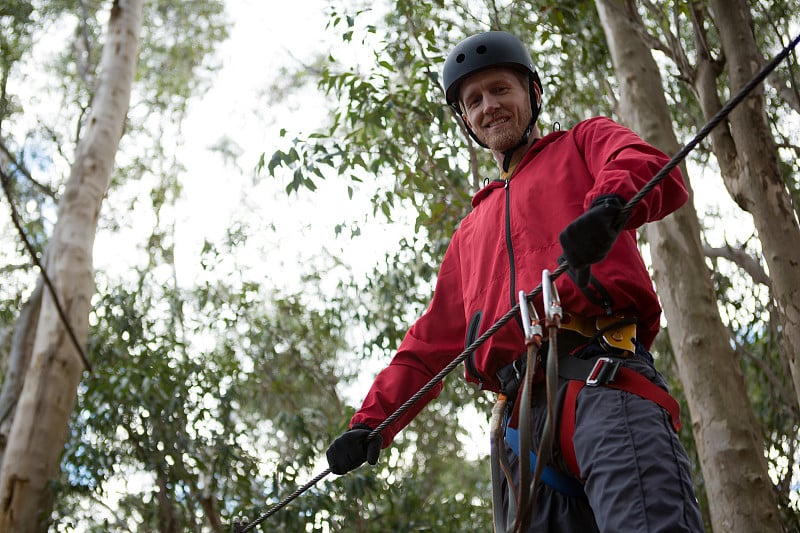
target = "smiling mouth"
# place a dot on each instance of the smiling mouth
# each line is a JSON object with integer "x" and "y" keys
{"x": 497, "y": 122}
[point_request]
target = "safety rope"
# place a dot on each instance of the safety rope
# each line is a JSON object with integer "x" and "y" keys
{"x": 623, "y": 216}
{"x": 526, "y": 491}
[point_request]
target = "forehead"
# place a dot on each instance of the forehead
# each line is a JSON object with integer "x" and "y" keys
{"x": 488, "y": 76}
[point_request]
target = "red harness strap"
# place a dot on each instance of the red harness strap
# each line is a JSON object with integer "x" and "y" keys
{"x": 625, "y": 379}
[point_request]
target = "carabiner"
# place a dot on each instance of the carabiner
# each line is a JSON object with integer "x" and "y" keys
{"x": 551, "y": 300}
{"x": 530, "y": 319}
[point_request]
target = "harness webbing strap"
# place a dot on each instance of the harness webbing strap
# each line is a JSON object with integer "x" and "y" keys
{"x": 626, "y": 379}
{"x": 563, "y": 483}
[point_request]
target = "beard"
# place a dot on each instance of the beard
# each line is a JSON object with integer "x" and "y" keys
{"x": 503, "y": 140}
{"x": 506, "y": 138}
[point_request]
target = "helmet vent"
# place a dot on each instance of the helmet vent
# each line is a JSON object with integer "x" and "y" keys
{"x": 460, "y": 58}
{"x": 481, "y": 49}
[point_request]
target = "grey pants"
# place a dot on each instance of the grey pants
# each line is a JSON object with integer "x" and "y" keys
{"x": 636, "y": 472}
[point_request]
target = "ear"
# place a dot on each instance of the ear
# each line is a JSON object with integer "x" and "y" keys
{"x": 538, "y": 95}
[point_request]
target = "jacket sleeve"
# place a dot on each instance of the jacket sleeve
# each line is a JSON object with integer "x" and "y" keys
{"x": 434, "y": 340}
{"x": 622, "y": 163}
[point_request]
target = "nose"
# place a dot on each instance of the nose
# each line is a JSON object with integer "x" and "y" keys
{"x": 490, "y": 103}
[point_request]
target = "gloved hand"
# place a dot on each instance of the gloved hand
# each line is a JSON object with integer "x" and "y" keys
{"x": 589, "y": 238}
{"x": 351, "y": 449}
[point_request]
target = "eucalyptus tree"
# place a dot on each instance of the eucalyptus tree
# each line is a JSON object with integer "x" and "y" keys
{"x": 43, "y": 377}
{"x": 687, "y": 294}
{"x": 689, "y": 36}
{"x": 751, "y": 168}
{"x": 41, "y": 416}
{"x": 724, "y": 44}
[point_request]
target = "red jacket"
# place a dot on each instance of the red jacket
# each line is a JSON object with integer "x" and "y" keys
{"x": 503, "y": 245}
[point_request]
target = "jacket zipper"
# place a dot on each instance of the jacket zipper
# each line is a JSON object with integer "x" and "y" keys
{"x": 509, "y": 246}
{"x": 512, "y": 266}
{"x": 474, "y": 324}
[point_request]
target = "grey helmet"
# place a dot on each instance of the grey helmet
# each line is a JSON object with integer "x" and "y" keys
{"x": 485, "y": 50}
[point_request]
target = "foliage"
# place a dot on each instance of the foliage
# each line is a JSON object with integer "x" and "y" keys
{"x": 37, "y": 151}
{"x": 192, "y": 421}
{"x": 217, "y": 400}
{"x": 17, "y": 24}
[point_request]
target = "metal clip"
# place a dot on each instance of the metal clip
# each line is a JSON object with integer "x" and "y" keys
{"x": 530, "y": 319}
{"x": 604, "y": 371}
{"x": 552, "y": 302}
{"x": 240, "y": 523}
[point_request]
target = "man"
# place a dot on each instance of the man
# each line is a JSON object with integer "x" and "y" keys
{"x": 558, "y": 198}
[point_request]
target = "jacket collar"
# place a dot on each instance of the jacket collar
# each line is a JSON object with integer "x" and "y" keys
{"x": 534, "y": 149}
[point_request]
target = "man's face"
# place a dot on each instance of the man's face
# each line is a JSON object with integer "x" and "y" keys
{"x": 497, "y": 107}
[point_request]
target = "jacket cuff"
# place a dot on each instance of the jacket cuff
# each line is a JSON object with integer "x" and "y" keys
{"x": 610, "y": 200}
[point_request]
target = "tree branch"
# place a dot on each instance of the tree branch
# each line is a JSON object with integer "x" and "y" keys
{"x": 788, "y": 399}
{"x": 120, "y": 523}
{"x": 740, "y": 258}
{"x": 24, "y": 171}
{"x": 786, "y": 89}
{"x": 673, "y": 47}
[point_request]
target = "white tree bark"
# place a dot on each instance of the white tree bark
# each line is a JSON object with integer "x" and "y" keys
{"x": 740, "y": 494}
{"x": 19, "y": 358}
{"x": 755, "y": 182}
{"x": 41, "y": 421}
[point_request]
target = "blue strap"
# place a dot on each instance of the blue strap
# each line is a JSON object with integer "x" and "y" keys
{"x": 563, "y": 483}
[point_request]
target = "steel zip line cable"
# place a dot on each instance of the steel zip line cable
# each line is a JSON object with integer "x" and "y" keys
{"x": 238, "y": 527}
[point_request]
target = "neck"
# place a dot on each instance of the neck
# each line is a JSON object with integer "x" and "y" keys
{"x": 515, "y": 153}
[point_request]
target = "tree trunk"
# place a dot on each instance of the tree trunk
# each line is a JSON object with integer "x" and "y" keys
{"x": 740, "y": 494}
{"x": 756, "y": 183}
{"x": 19, "y": 358}
{"x": 41, "y": 421}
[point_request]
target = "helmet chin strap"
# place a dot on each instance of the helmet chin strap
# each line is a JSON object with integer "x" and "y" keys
{"x": 508, "y": 154}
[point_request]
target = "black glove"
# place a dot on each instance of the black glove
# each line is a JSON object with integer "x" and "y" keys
{"x": 352, "y": 448}
{"x": 589, "y": 238}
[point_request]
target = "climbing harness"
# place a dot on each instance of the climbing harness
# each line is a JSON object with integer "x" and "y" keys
{"x": 600, "y": 370}
{"x": 605, "y": 371}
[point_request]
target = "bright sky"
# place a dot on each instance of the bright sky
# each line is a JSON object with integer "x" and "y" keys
{"x": 219, "y": 195}
{"x": 265, "y": 36}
